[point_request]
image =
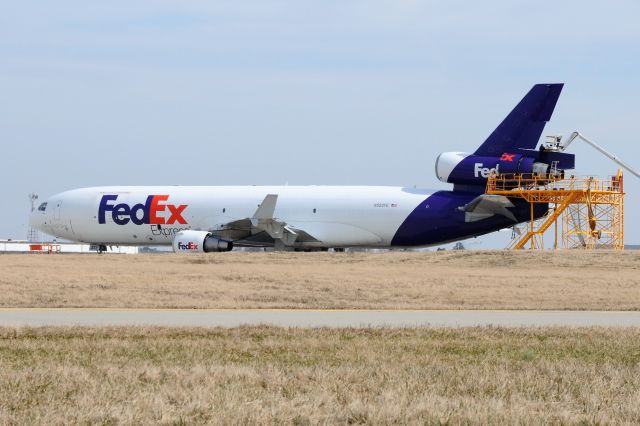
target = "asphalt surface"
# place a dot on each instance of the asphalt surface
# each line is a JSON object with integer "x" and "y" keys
{"x": 36, "y": 317}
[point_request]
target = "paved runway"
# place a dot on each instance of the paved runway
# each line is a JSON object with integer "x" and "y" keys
{"x": 36, "y": 317}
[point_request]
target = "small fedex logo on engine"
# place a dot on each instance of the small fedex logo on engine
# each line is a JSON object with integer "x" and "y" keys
{"x": 153, "y": 211}
{"x": 187, "y": 246}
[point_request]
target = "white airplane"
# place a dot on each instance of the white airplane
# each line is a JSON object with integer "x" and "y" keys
{"x": 215, "y": 218}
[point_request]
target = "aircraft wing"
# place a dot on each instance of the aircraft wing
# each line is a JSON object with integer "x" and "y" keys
{"x": 263, "y": 227}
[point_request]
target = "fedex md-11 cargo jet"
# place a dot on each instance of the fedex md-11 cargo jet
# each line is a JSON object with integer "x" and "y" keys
{"x": 217, "y": 218}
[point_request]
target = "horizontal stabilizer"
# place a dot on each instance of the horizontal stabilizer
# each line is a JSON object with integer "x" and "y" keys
{"x": 484, "y": 206}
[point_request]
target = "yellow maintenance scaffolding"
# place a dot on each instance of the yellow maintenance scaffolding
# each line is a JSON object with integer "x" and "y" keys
{"x": 591, "y": 209}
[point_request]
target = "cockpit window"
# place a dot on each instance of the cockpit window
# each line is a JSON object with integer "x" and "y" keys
{"x": 42, "y": 207}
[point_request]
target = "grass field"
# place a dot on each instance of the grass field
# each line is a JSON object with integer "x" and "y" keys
{"x": 408, "y": 280}
{"x": 308, "y": 376}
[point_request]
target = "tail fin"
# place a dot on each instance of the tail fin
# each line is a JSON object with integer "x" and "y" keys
{"x": 523, "y": 126}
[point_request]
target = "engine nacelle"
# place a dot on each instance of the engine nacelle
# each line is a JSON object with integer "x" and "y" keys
{"x": 469, "y": 169}
{"x": 199, "y": 242}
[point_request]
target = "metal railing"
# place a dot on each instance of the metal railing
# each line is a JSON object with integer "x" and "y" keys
{"x": 501, "y": 183}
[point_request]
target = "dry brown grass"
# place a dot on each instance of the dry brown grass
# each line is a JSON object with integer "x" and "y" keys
{"x": 308, "y": 376}
{"x": 444, "y": 280}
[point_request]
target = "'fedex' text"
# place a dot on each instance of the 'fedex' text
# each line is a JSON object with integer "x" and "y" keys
{"x": 480, "y": 170}
{"x": 153, "y": 211}
{"x": 188, "y": 246}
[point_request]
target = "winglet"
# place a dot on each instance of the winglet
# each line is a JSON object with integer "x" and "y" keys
{"x": 267, "y": 207}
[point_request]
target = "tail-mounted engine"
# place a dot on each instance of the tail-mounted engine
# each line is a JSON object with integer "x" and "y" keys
{"x": 470, "y": 169}
{"x": 199, "y": 242}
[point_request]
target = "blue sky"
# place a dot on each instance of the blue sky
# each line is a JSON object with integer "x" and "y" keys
{"x": 304, "y": 92}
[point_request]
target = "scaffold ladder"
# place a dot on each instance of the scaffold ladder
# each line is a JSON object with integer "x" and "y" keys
{"x": 600, "y": 202}
{"x": 540, "y": 230}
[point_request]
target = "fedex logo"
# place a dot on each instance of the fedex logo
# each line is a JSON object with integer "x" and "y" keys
{"x": 480, "y": 170}
{"x": 188, "y": 246}
{"x": 507, "y": 157}
{"x": 147, "y": 213}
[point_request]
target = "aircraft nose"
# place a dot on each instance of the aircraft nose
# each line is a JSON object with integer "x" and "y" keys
{"x": 38, "y": 219}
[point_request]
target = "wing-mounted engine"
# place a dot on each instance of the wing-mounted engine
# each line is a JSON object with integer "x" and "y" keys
{"x": 190, "y": 241}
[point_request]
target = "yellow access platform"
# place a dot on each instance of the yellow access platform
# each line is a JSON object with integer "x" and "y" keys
{"x": 591, "y": 209}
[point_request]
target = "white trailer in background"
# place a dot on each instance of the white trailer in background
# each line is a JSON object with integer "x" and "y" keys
{"x": 22, "y": 246}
